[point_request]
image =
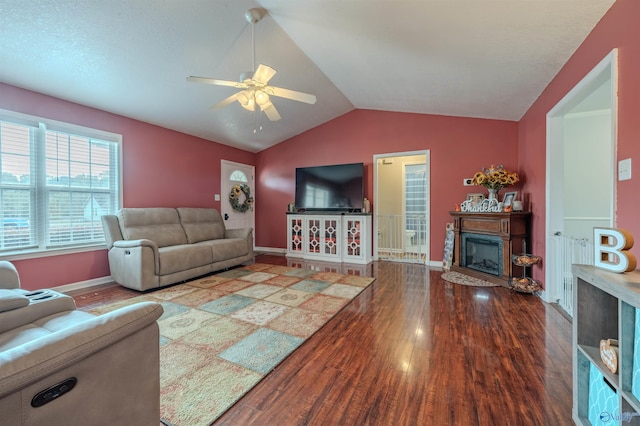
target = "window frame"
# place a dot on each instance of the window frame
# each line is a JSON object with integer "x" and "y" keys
{"x": 38, "y": 199}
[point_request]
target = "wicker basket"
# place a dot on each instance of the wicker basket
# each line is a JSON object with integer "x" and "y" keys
{"x": 524, "y": 285}
{"x": 525, "y": 259}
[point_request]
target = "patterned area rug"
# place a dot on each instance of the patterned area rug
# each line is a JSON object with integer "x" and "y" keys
{"x": 220, "y": 335}
{"x": 463, "y": 279}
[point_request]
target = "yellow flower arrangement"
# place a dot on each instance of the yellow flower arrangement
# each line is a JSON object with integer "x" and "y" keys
{"x": 495, "y": 177}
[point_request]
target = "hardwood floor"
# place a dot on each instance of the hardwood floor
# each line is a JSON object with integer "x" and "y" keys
{"x": 413, "y": 349}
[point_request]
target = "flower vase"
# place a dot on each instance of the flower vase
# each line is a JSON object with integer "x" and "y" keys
{"x": 493, "y": 193}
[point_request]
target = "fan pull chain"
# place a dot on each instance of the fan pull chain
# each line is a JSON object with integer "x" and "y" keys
{"x": 257, "y": 125}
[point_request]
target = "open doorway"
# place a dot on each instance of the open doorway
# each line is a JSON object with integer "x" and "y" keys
{"x": 580, "y": 186}
{"x": 401, "y": 194}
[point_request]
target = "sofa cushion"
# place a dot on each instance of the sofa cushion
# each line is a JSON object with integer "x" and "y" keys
{"x": 11, "y": 299}
{"x": 227, "y": 248}
{"x": 201, "y": 224}
{"x": 160, "y": 225}
{"x": 182, "y": 257}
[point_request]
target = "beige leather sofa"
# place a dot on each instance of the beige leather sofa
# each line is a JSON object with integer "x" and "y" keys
{"x": 155, "y": 247}
{"x": 61, "y": 366}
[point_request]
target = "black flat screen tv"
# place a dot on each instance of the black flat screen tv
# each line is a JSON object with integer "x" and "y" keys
{"x": 337, "y": 187}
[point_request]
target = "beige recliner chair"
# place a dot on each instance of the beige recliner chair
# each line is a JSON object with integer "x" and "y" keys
{"x": 61, "y": 366}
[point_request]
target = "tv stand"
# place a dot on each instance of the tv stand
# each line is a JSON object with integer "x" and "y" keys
{"x": 330, "y": 236}
{"x": 328, "y": 212}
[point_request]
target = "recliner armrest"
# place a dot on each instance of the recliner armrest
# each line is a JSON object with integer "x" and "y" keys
{"x": 10, "y": 300}
{"x": 42, "y": 357}
{"x": 139, "y": 244}
{"x": 34, "y": 310}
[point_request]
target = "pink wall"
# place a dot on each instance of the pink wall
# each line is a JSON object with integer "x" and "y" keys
{"x": 166, "y": 168}
{"x": 617, "y": 29}
{"x": 459, "y": 147}
{"x": 161, "y": 167}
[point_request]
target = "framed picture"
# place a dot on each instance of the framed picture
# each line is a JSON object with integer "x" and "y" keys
{"x": 508, "y": 198}
{"x": 475, "y": 198}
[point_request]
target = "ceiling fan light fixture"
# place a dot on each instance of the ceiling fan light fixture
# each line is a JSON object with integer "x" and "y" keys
{"x": 246, "y": 99}
{"x": 262, "y": 98}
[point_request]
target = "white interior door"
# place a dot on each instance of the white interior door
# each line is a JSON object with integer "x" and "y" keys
{"x": 243, "y": 175}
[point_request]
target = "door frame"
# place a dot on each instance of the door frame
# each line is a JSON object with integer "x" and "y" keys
{"x": 224, "y": 195}
{"x": 379, "y": 158}
{"x": 554, "y": 214}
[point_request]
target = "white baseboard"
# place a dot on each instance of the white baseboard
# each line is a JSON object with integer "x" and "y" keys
{"x": 544, "y": 295}
{"x": 435, "y": 264}
{"x": 270, "y": 250}
{"x": 83, "y": 285}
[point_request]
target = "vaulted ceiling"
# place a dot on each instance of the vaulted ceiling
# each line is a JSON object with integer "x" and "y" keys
{"x": 470, "y": 58}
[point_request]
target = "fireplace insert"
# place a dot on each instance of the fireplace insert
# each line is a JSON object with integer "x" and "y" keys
{"x": 482, "y": 253}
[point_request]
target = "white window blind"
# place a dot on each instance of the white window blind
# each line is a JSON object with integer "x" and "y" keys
{"x": 57, "y": 182}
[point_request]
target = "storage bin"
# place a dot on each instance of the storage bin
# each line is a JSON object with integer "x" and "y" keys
{"x": 635, "y": 380}
{"x": 604, "y": 403}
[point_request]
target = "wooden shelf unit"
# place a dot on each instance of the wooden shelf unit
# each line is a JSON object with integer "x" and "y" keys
{"x": 605, "y": 307}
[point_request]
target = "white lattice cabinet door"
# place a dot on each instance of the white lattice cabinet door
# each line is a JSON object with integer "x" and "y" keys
{"x": 295, "y": 229}
{"x": 312, "y": 238}
{"x": 357, "y": 239}
{"x": 323, "y": 237}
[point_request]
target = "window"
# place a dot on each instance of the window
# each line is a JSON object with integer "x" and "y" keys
{"x": 416, "y": 201}
{"x": 238, "y": 176}
{"x": 57, "y": 181}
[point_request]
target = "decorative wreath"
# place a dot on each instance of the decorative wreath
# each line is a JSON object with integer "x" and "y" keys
{"x": 234, "y": 198}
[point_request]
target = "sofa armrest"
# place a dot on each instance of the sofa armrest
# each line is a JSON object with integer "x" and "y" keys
{"x": 136, "y": 243}
{"x": 238, "y": 233}
{"x": 42, "y": 357}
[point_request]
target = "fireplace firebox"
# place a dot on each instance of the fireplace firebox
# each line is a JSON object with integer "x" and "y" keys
{"x": 484, "y": 243}
{"x": 482, "y": 253}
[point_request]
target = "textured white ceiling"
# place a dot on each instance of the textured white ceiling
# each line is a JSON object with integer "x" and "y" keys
{"x": 488, "y": 59}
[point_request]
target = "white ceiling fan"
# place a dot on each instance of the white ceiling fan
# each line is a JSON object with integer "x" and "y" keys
{"x": 255, "y": 89}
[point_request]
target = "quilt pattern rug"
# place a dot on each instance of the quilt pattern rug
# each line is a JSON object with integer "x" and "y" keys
{"x": 221, "y": 334}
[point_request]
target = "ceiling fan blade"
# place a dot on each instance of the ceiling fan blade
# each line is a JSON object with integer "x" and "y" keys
{"x": 225, "y": 102}
{"x": 271, "y": 111}
{"x": 292, "y": 94}
{"x": 217, "y": 82}
{"x": 263, "y": 74}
